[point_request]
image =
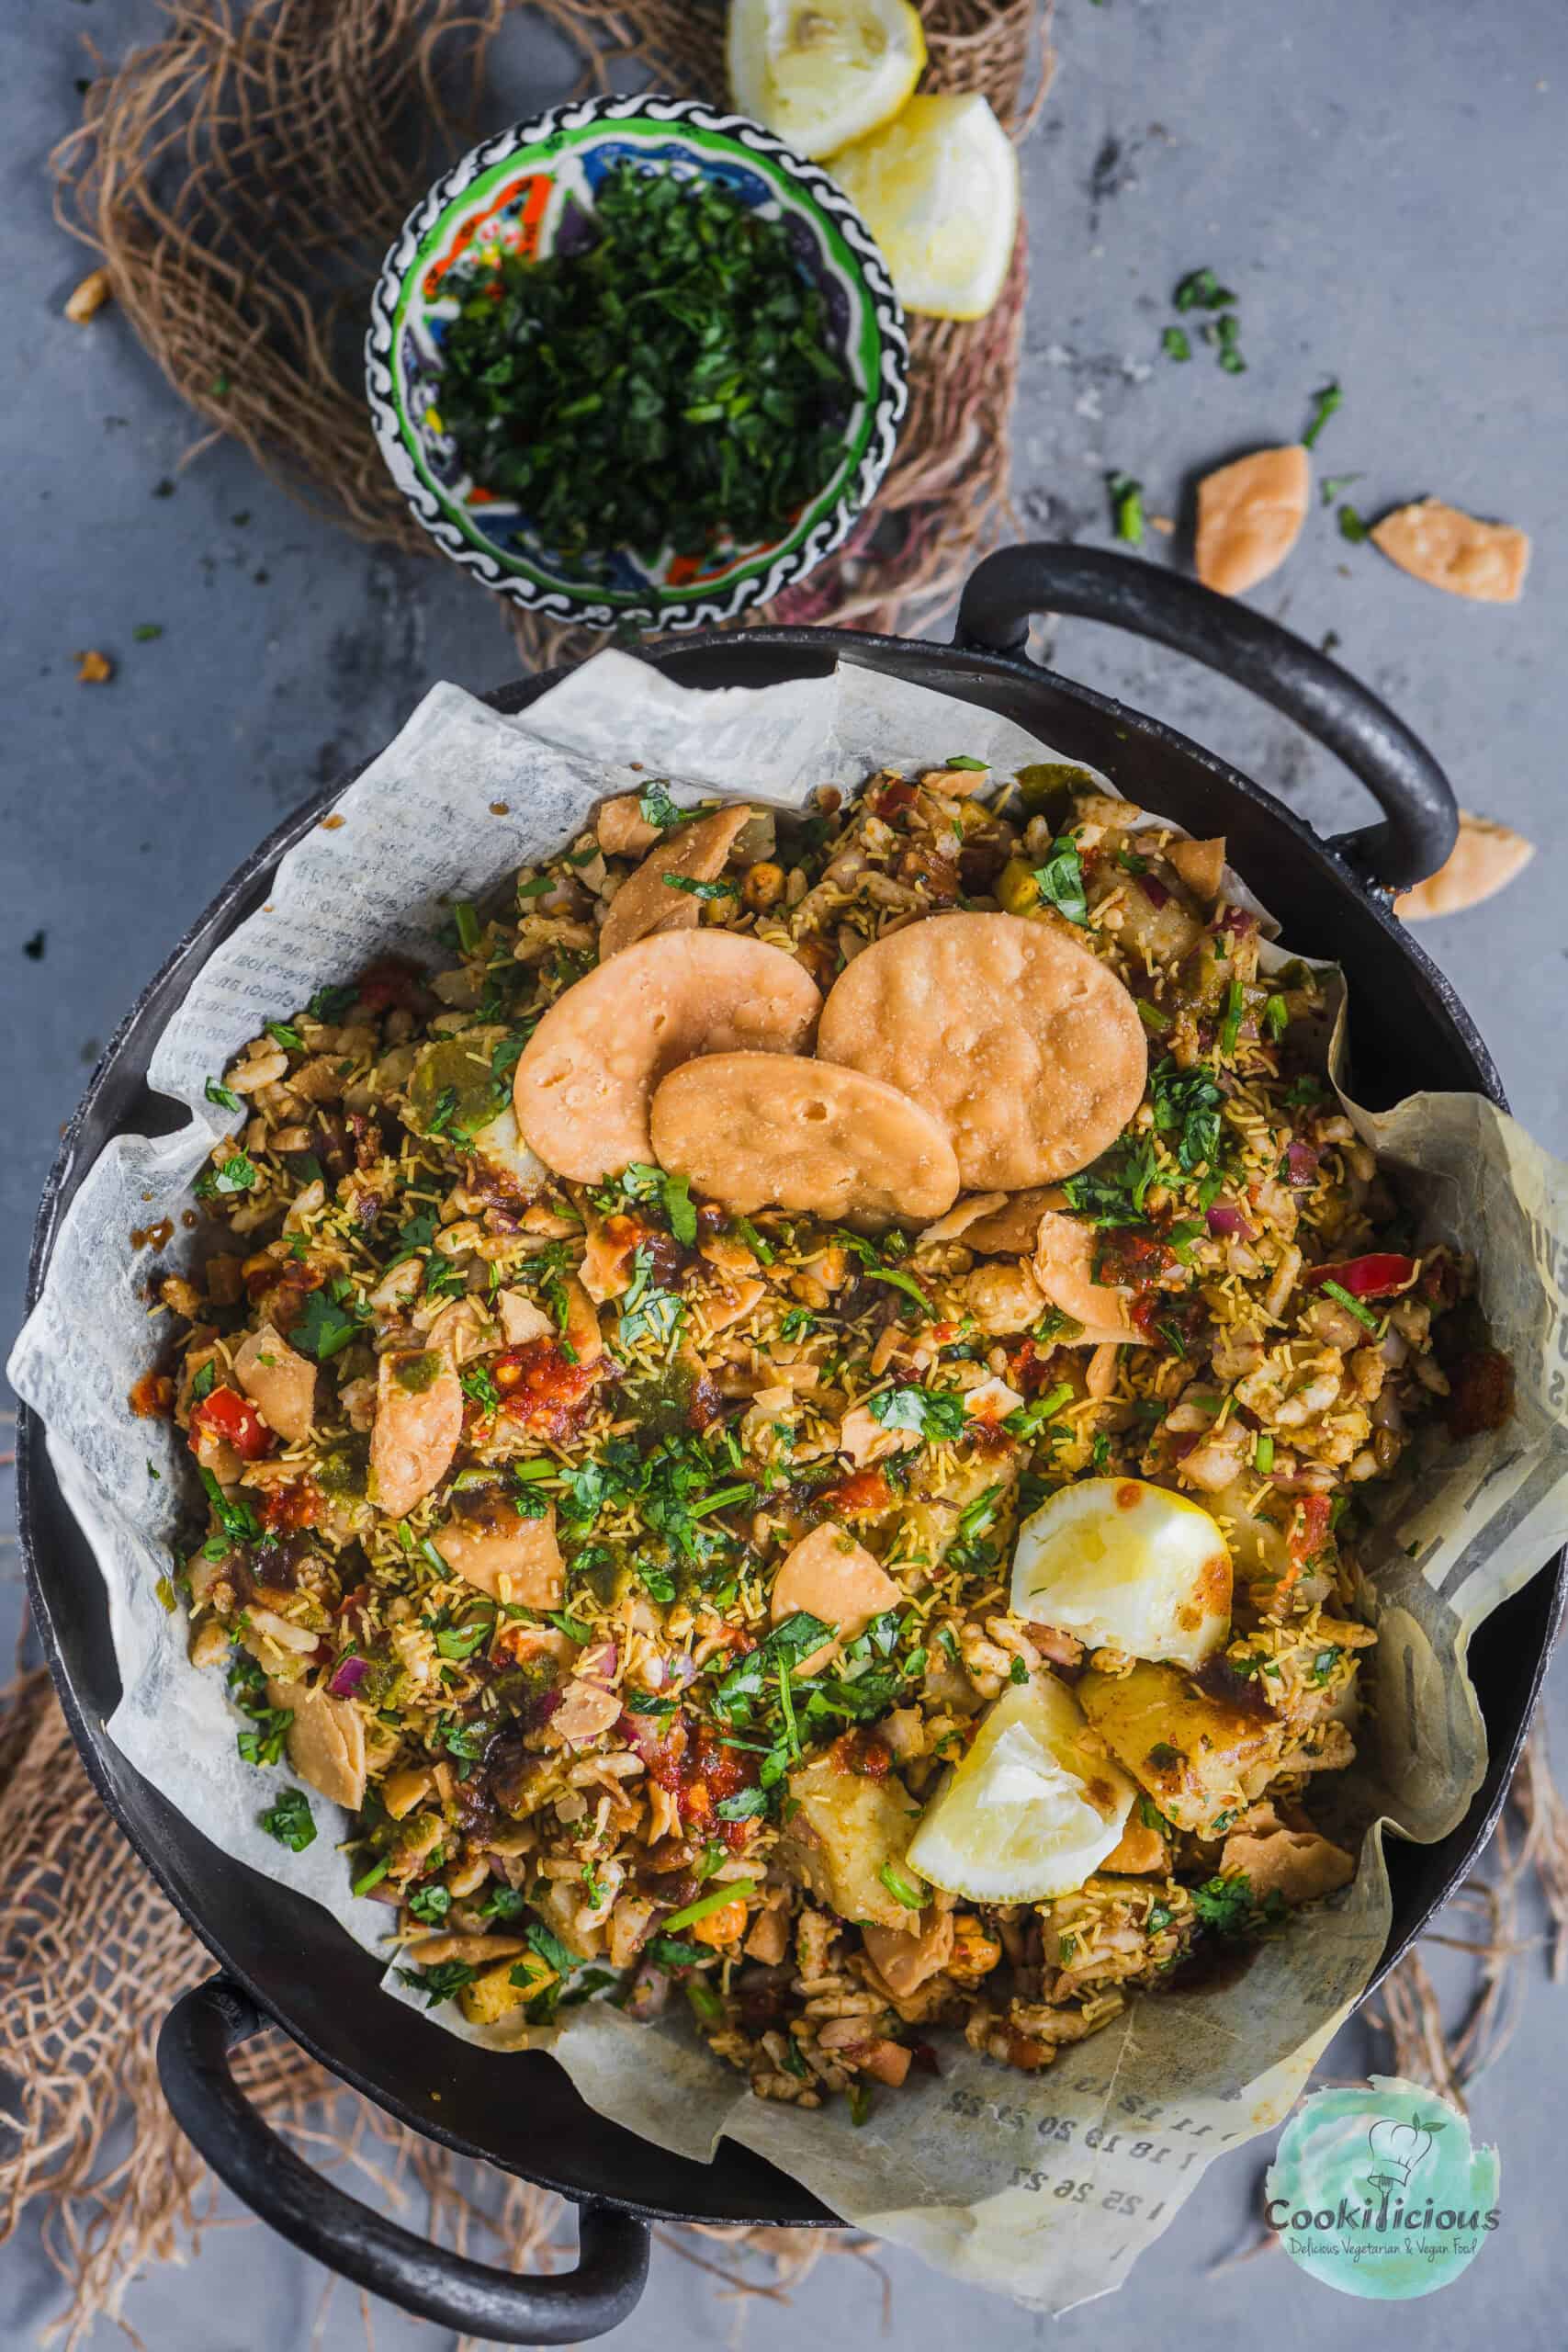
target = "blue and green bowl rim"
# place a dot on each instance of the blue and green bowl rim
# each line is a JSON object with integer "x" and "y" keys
{"x": 816, "y": 537}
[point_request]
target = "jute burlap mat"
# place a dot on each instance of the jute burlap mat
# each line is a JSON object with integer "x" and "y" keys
{"x": 242, "y": 177}
{"x": 93, "y": 1956}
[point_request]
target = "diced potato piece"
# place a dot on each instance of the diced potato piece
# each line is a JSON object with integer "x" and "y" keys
{"x": 1198, "y": 1757}
{"x": 493, "y": 1996}
{"x": 1202, "y": 866}
{"x": 845, "y": 1827}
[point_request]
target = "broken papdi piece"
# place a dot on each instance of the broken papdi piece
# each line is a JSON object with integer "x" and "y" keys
{"x": 1028, "y": 1048}
{"x": 1249, "y": 517}
{"x": 1438, "y": 544}
{"x": 830, "y": 1576}
{"x": 325, "y": 1741}
{"x": 756, "y": 1131}
{"x": 515, "y": 1560}
{"x": 651, "y": 901}
{"x": 1062, "y": 1265}
{"x": 1012, "y": 1227}
{"x": 1483, "y": 861}
{"x": 586, "y": 1077}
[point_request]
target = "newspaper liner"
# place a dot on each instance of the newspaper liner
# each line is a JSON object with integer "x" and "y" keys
{"x": 1044, "y": 2187}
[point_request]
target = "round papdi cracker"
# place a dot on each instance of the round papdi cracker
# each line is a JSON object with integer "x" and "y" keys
{"x": 1030, "y": 1048}
{"x": 755, "y": 1132}
{"x": 586, "y": 1077}
{"x": 647, "y": 903}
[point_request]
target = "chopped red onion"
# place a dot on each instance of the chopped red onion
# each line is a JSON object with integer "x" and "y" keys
{"x": 1227, "y": 1220}
{"x": 1300, "y": 1163}
{"x": 1154, "y": 890}
{"x": 351, "y": 1672}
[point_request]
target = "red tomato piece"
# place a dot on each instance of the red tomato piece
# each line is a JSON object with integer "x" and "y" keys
{"x": 1374, "y": 1276}
{"x": 228, "y": 1415}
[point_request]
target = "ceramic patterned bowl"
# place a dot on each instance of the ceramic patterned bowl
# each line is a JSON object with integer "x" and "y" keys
{"x": 531, "y": 190}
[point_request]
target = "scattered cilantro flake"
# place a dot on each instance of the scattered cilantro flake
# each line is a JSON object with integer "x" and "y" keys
{"x": 934, "y": 1414}
{"x": 329, "y": 1005}
{"x": 1334, "y": 487}
{"x": 1324, "y": 402}
{"x": 326, "y": 1327}
{"x": 291, "y": 1820}
{"x": 440, "y": 1983}
{"x": 550, "y": 1949}
{"x": 673, "y": 1951}
{"x": 1352, "y": 527}
{"x": 145, "y": 632}
{"x": 724, "y": 889}
{"x": 1060, "y": 879}
{"x": 1202, "y": 291}
{"x": 1175, "y": 344}
{"x": 236, "y": 1175}
{"x": 1126, "y": 507}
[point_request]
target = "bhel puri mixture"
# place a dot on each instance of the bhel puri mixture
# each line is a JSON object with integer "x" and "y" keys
{"x": 786, "y": 1431}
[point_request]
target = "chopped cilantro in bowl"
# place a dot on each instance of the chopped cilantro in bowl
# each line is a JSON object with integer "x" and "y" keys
{"x": 637, "y": 363}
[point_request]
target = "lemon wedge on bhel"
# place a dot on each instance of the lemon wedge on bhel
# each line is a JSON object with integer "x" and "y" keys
{"x": 1031, "y": 1811}
{"x": 939, "y": 190}
{"x": 821, "y": 72}
{"x": 1126, "y": 1566}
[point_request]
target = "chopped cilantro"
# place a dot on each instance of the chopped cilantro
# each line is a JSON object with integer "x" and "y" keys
{"x": 1060, "y": 879}
{"x": 1126, "y": 507}
{"x": 440, "y": 1983}
{"x": 550, "y": 1949}
{"x": 934, "y": 1414}
{"x": 1324, "y": 402}
{"x": 236, "y": 1175}
{"x": 326, "y": 1327}
{"x": 291, "y": 1820}
{"x": 1175, "y": 344}
{"x": 1202, "y": 291}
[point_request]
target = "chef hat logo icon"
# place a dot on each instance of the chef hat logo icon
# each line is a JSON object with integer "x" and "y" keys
{"x": 1398, "y": 2148}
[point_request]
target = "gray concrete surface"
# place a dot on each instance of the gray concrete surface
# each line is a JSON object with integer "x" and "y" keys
{"x": 1384, "y": 187}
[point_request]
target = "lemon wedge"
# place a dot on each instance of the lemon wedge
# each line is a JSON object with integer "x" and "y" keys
{"x": 1031, "y": 1811}
{"x": 821, "y": 72}
{"x": 938, "y": 190}
{"x": 1129, "y": 1566}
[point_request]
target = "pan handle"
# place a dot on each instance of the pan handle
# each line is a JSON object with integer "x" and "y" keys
{"x": 1420, "y": 818}
{"x": 200, "y": 2032}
